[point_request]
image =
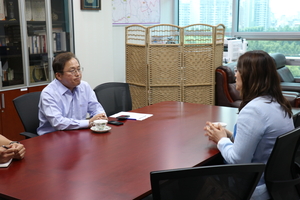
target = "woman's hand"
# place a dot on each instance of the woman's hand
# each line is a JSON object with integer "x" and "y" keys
{"x": 215, "y": 132}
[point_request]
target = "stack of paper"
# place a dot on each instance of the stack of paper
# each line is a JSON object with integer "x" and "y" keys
{"x": 132, "y": 115}
{"x": 6, "y": 164}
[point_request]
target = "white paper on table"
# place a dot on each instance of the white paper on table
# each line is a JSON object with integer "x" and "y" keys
{"x": 132, "y": 115}
{"x": 6, "y": 164}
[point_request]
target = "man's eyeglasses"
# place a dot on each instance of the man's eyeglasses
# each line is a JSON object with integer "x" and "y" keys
{"x": 75, "y": 71}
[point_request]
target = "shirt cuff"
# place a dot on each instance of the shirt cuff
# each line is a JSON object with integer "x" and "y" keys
{"x": 222, "y": 142}
{"x": 84, "y": 124}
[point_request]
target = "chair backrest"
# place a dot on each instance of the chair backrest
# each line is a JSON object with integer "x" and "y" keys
{"x": 232, "y": 181}
{"x": 283, "y": 71}
{"x": 279, "y": 59}
{"x": 114, "y": 97}
{"x": 27, "y": 109}
{"x": 226, "y": 93}
{"x": 282, "y": 174}
{"x": 285, "y": 75}
{"x": 296, "y": 118}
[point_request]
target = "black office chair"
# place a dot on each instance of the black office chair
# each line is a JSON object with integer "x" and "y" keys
{"x": 27, "y": 109}
{"x": 296, "y": 119}
{"x": 232, "y": 181}
{"x": 282, "y": 174}
{"x": 114, "y": 97}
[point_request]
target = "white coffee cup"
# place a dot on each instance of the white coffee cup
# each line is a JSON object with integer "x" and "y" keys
{"x": 222, "y": 124}
{"x": 100, "y": 124}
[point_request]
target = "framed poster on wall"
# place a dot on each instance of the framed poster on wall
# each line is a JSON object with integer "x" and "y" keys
{"x": 90, "y": 5}
{"x": 130, "y": 12}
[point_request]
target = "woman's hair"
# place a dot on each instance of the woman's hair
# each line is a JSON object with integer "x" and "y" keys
{"x": 60, "y": 61}
{"x": 259, "y": 77}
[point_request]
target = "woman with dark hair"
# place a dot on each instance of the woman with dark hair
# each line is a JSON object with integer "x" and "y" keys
{"x": 264, "y": 114}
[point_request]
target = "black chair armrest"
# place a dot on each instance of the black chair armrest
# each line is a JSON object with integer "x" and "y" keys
{"x": 297, "y": 79}
{"x": 29, "y": 135}
{"x": 290, "y": 86}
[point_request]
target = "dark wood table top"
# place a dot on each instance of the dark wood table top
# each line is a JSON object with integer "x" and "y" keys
{"x": 81, "y": 164}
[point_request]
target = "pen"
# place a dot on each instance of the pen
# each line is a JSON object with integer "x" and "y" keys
{"x": 5, "y": 147}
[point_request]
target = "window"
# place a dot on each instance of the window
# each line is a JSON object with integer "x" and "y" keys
{"x": 295, "y": 70}
{"x": 288, "y": 48}
{"x": 269, "y": 16}
{"x": 211, "y": 12}
{"x": 269, "y": 25}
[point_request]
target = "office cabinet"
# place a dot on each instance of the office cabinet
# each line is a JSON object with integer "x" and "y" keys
{"x": 32, "y": 32}
{"x": 11, "y": 124}
{"x": 170, "y": 63}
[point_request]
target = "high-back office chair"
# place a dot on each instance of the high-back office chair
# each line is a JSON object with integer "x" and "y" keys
{"x": 296, "y": 120}
{"x": 226, "y": 93}
{"x": 283, "y": 71}
{"x": 288, "y": 81}
{"x": 27, "y": 109}
{"x": 282, "y": 174}
{"x": 114, "y": 97}
{"x": 232, "y": 181}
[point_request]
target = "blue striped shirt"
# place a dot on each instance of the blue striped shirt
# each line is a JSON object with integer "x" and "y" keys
{"x": 61, "y": 109}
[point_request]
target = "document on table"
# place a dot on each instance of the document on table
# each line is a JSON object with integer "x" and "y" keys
{"x": 6, "y": 164}
{"x": 133, "y": 116}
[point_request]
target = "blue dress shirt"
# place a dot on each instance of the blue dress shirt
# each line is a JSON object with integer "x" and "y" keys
{"x": 258, "y": 125}
{"x": 61, "y": 109}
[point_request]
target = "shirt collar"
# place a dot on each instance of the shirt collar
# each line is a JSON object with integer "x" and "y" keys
{"x": 63, "y": 89}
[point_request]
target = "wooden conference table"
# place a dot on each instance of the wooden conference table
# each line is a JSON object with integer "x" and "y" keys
{"x": 80, "y": 164}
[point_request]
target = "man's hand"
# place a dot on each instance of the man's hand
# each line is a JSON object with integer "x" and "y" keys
{"x": 96, "y": 117}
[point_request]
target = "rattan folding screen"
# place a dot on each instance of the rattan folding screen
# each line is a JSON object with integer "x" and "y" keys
{"x": 171, "y": 63}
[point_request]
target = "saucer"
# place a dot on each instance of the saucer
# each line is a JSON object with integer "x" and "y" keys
{"x": 106, "y": 129}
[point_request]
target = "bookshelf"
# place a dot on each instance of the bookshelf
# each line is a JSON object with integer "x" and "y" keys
{"x": 40, "y": 35}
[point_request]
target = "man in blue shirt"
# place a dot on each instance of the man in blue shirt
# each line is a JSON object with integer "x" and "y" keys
{"x": 65, "y": 102}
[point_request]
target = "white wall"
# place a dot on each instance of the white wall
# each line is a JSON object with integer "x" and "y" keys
{"x": 100, "y": 46}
